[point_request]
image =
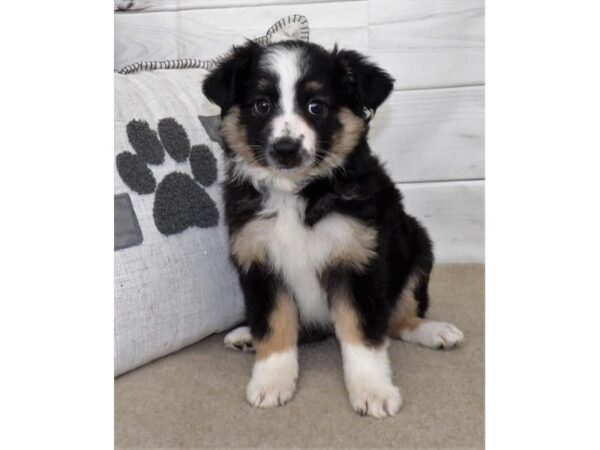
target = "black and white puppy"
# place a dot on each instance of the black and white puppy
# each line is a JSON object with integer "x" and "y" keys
{"x": 317, "y": 229}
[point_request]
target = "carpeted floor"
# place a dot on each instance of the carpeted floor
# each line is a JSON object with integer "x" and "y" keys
{"x": 195, "y": 397}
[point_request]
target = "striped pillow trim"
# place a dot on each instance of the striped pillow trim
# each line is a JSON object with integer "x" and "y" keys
{"x": 190, "y": 63}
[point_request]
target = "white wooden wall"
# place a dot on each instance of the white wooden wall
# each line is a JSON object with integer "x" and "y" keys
{"x": 430, "y": 132}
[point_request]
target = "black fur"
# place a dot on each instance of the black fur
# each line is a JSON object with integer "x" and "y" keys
{"x": 361, "y": 83}
{"x": 359, "y": 188}
{"x": 362, "y": 189}
{"x": 226, "y": 81}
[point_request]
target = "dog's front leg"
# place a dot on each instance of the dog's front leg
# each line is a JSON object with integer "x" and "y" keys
{"x": 366, "y": 364}
{"x": 273, "y": 320}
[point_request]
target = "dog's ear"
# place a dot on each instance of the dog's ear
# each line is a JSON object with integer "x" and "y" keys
{"x": 361, "y": 80}
{"x": 223, "y": 82}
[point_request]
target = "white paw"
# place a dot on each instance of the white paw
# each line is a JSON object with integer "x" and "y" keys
{"x": 434, "y": 335}
{"x": 371, "y": 399}
{"x": 368, "y": 380}
{"x": 273, "y": 380}
{"x": 271, "y": 394}
{"x": 239, "y": 339}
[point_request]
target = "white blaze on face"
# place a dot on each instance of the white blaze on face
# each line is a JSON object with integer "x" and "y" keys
{"x": 286, "y": 64}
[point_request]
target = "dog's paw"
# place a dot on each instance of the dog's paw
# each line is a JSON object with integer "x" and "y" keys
{"x": 432, "y": 334}
{"x": 270, "y": 394}
{"x": 239, "y": 339}
{"x": 273, "y": 380}
{"x": 376, "y": 400}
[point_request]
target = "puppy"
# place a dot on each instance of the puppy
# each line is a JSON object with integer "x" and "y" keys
{"x": 317, "y": 230}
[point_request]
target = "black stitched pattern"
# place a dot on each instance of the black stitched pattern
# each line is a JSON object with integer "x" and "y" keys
{"x": 174, "y": 138}
{"x": 135, "y": 173}
{"x": 204, "y": 165}
{"x": 145, "y": 142}
{"x": 180, "y": 202}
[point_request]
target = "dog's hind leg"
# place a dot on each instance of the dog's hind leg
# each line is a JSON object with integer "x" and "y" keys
{"x": 408, "y": 323}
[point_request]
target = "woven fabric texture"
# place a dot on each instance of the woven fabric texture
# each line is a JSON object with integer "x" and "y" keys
{"x": 170, "y": 290}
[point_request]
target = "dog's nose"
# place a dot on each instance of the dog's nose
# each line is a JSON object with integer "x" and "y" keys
{"x": 286, "y": 147}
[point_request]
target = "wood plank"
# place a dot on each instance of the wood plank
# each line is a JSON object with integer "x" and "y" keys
{"x": 433, "y": 134}
{"x": 206, "y": 33}
{"x": 428, "y": 43}
{"x": 454, "y": 215}
{"x": 182, "y": 5}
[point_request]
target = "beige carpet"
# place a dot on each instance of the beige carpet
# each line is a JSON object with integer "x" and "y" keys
{"x": 195, "y": 398}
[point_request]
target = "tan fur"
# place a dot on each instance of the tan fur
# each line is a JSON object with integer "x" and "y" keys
{"x": 313, "y": 86}
{"x": 345, "y": 319}
{"x": 404, "y": 316}
{"x": 235, "y": 135}
{"x": 360, "y": 250}
{"x": 264, "y": 84}
{"x": 342, "y": 143}
{"x": 283, "y": 324}
{"x": 344, "y": 140}
{"x": 248, "y": 245}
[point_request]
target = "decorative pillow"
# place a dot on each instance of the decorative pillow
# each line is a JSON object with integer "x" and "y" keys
{"x": 174, "y": 284}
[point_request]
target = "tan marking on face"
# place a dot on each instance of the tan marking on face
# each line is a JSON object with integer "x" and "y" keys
{"x": 359, "y": 249}
{"x": 344, "y": 140}
{"x": 249, "y": 245}
{"x": 404, "y": 316}
{"x": 234, "y": 135}
{"x": 283, "y": 327}
{"x": 264, "y": 84}
{"x": 344, "y": 316}
{"x": 313, "y": 86}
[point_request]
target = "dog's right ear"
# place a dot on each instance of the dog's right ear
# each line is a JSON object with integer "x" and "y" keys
{"x": 365, "y": 84}
{"x": 223, "y": 82}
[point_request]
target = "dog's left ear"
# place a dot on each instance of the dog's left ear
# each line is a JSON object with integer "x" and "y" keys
{"x": 221, "y": 86}
{"x": 361, "y": 80}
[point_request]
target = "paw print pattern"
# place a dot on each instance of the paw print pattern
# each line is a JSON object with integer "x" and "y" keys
{"x": 180, "y": 201}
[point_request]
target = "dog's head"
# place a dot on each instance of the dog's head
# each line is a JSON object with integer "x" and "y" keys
{"x": 293, "y": 108}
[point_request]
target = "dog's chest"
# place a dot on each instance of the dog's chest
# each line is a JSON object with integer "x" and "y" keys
{"x": 300, "y": 253}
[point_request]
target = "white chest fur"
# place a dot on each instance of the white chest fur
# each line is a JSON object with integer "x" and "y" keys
{"x": 279, "y": 238}
{"x": 299, "y": 252}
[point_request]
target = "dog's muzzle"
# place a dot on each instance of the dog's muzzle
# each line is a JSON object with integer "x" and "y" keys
{"x": 287, "y": 153}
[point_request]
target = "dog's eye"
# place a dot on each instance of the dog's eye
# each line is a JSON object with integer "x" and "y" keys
{"x": 262, "y": 106}
{"x": 316, "y": 108}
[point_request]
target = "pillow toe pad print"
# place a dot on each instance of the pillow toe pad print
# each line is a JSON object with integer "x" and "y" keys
{"x": 180, "y": 201}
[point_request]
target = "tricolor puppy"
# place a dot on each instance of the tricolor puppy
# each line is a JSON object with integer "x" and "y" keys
{"x": 317, "y": 229}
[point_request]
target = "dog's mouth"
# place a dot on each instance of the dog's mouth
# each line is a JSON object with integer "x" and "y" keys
{"x": 288, "y": 163}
